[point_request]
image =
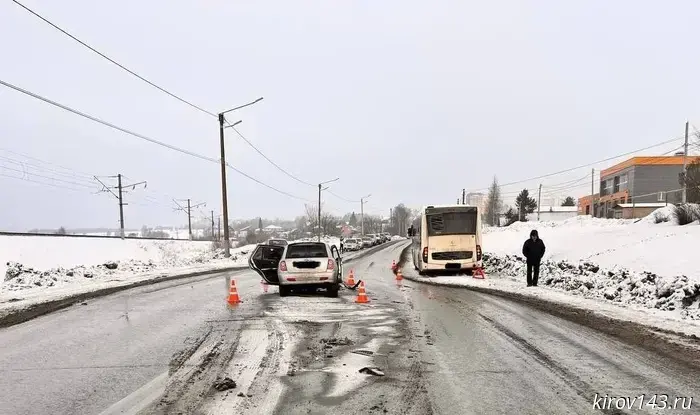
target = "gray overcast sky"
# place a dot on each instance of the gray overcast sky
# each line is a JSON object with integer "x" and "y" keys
{"x": 410, "y": 101}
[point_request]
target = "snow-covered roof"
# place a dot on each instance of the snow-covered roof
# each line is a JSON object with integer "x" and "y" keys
{"x": 272, "y": 227}
{"x": 642, "y": 205}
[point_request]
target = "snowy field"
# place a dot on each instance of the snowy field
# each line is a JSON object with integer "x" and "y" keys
{"x": 38, "y": 262}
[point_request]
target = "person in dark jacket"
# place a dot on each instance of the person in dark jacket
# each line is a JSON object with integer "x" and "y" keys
{"x": 533, "y": 250}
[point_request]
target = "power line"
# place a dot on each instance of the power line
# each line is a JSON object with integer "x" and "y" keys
{"x": 342, "y": 198}
{"x": 268, "y": 159}
{"x": 112, "y": 60}
{"x": 47, "y": 177}
{"x": 40, "y": 182}
{"x": 143, "y": 137}
{"x": 584, "y": 165}
{"x": 160, "y": 89}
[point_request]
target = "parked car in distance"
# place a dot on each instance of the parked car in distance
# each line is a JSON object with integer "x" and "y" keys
{"x": 351, "y": 244}
{"x": 277, "y": 242}
{"x": 307, "y": 265}
{"x": 387, "y": 236}
{"x": 372, "y": 237}
{"x": 367, "y": 242}
{"x": 377, "y": 239}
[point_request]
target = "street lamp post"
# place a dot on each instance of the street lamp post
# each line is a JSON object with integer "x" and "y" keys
{"x": 362, "y": 213}
{"x": 222, "y": 120}
{"x": 319, "y": 205}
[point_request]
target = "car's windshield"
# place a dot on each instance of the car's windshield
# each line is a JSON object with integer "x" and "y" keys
{"x": 307, "y": 250}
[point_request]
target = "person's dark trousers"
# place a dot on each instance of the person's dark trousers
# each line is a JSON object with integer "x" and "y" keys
{"x": 532, "y": 279}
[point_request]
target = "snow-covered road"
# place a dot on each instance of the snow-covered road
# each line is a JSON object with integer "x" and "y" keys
{"x": 160, "y": 349}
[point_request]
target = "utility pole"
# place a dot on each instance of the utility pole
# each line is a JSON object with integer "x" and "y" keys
{"x": 218, "y": 234}
{"x": 319, "y": 212}
{"x": 539, "y": 198}
{"x": 362, "y": 213}
{"x": 224, "y": 197}
{"x": 685, "y": 165}
{"x": 592, "y": 190}
{"x": 463, "y": 197}
{"x": 121, "y": 206}
{"x": 120, "y": 196}
{"x": 212, "y": 225}
{"x": 188, "y": 211}
{"x": 319, "y": 204}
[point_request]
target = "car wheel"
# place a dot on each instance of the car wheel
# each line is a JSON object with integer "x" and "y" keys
{"x": 284, "y": 291}
{"x": 333, "y": 291}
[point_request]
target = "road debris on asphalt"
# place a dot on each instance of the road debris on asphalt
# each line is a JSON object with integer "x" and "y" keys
{"x": 363, "y": 352}
{"x": 372, "y": 371}
{"x": 224, "y": 384}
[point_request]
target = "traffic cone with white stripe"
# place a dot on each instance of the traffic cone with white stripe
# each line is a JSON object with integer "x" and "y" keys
{"x": 361, "y": 294}
{"x": 233, "y": 294}
{"x": 351, "y": 279}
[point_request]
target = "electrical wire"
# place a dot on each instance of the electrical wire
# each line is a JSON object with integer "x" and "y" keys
{"x": 583, "y": 165}
{"x": 143, "y": 137}
{"x": 40, "y": 182}
{"x": 160, "y": 89}
{"x": 112, "y": 60}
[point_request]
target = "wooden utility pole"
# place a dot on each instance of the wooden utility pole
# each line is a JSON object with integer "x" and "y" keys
{"x": 539, "y": 198}
{"x": 218, "y": 234}
{"x": 685, "y": 165}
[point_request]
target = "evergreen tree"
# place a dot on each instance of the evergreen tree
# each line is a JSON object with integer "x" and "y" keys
{"x": 525, "y": 204}
{"x": 569, "y": 201}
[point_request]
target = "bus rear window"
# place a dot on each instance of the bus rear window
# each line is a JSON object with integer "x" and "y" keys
{"x": 451, "y": 223}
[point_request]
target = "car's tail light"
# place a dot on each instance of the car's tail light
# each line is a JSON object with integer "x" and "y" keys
{"x": 425, "y": 254}
{"x": 283, "y": 266}
{"x": 331, "y": 264}
{"x": 478, "y": 252}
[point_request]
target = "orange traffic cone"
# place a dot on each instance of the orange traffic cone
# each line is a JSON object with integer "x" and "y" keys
{"x": 351, "y": 278}
{"x": 478, "y": 273}
{"x": 264, "y": 285}
{"x": 361, "y": 294}
{"x": 399, "y": 277}
{"x": 233, "y": 294}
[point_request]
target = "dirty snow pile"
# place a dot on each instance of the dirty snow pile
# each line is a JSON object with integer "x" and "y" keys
{"x": 652, "y": 263}
{"x": 35, "y": 262}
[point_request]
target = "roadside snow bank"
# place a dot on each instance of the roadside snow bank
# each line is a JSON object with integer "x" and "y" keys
{"x": 661, "y": 248}
{"x": 40, "y": 263}
{"x": 675, "y": 294}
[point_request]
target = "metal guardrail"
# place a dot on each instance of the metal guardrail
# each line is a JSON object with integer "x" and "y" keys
{"x": 94, "y": 236}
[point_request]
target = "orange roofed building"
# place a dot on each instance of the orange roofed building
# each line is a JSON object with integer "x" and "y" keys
{"x": 640, "y": 180}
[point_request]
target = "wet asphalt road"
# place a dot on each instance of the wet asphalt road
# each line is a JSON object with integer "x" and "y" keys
{"x": 159, "y": 349}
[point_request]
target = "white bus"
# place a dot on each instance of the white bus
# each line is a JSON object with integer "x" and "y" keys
{"x": 448, "y": 239}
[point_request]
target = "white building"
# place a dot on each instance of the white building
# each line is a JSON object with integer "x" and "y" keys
{"x": 553, "y": 213}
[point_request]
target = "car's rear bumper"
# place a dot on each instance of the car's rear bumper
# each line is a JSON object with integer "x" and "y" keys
{"x": 300, "y": 278}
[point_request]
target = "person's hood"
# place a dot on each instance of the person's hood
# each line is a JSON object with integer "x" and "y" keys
{"x": 534, "y": 233}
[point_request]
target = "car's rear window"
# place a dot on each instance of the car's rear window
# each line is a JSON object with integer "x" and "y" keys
{"x": 307, "y": 251}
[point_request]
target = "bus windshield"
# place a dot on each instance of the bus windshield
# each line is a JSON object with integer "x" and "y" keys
{"x": 451, "y": 222}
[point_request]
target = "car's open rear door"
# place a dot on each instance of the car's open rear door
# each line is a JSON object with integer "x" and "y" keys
{"x": 264, "y": 260}
{"x": 338, "y": 260}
